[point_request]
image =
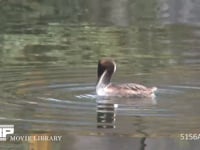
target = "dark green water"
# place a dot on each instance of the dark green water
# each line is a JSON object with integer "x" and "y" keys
{"x": 48, "y": 58}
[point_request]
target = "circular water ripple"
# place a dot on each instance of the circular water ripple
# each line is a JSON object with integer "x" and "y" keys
{"x": 47, "y": 98}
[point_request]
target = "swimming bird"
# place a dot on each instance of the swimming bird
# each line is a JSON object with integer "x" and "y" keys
{"x": 105, "y": 70}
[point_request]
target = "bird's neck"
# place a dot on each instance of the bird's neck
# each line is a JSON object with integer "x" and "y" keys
{"x": 104, "y": 80}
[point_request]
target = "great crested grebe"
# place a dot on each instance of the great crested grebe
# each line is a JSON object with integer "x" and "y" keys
{"x": 106, "y": 68}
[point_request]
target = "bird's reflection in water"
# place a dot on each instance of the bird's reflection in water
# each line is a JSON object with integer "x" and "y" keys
{"x": 106, "y": 113}
{"x": 107, "y": 116}
{"x": 107, "y": 107}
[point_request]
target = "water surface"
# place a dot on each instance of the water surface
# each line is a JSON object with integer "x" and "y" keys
{"x": 48, "y": 73}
